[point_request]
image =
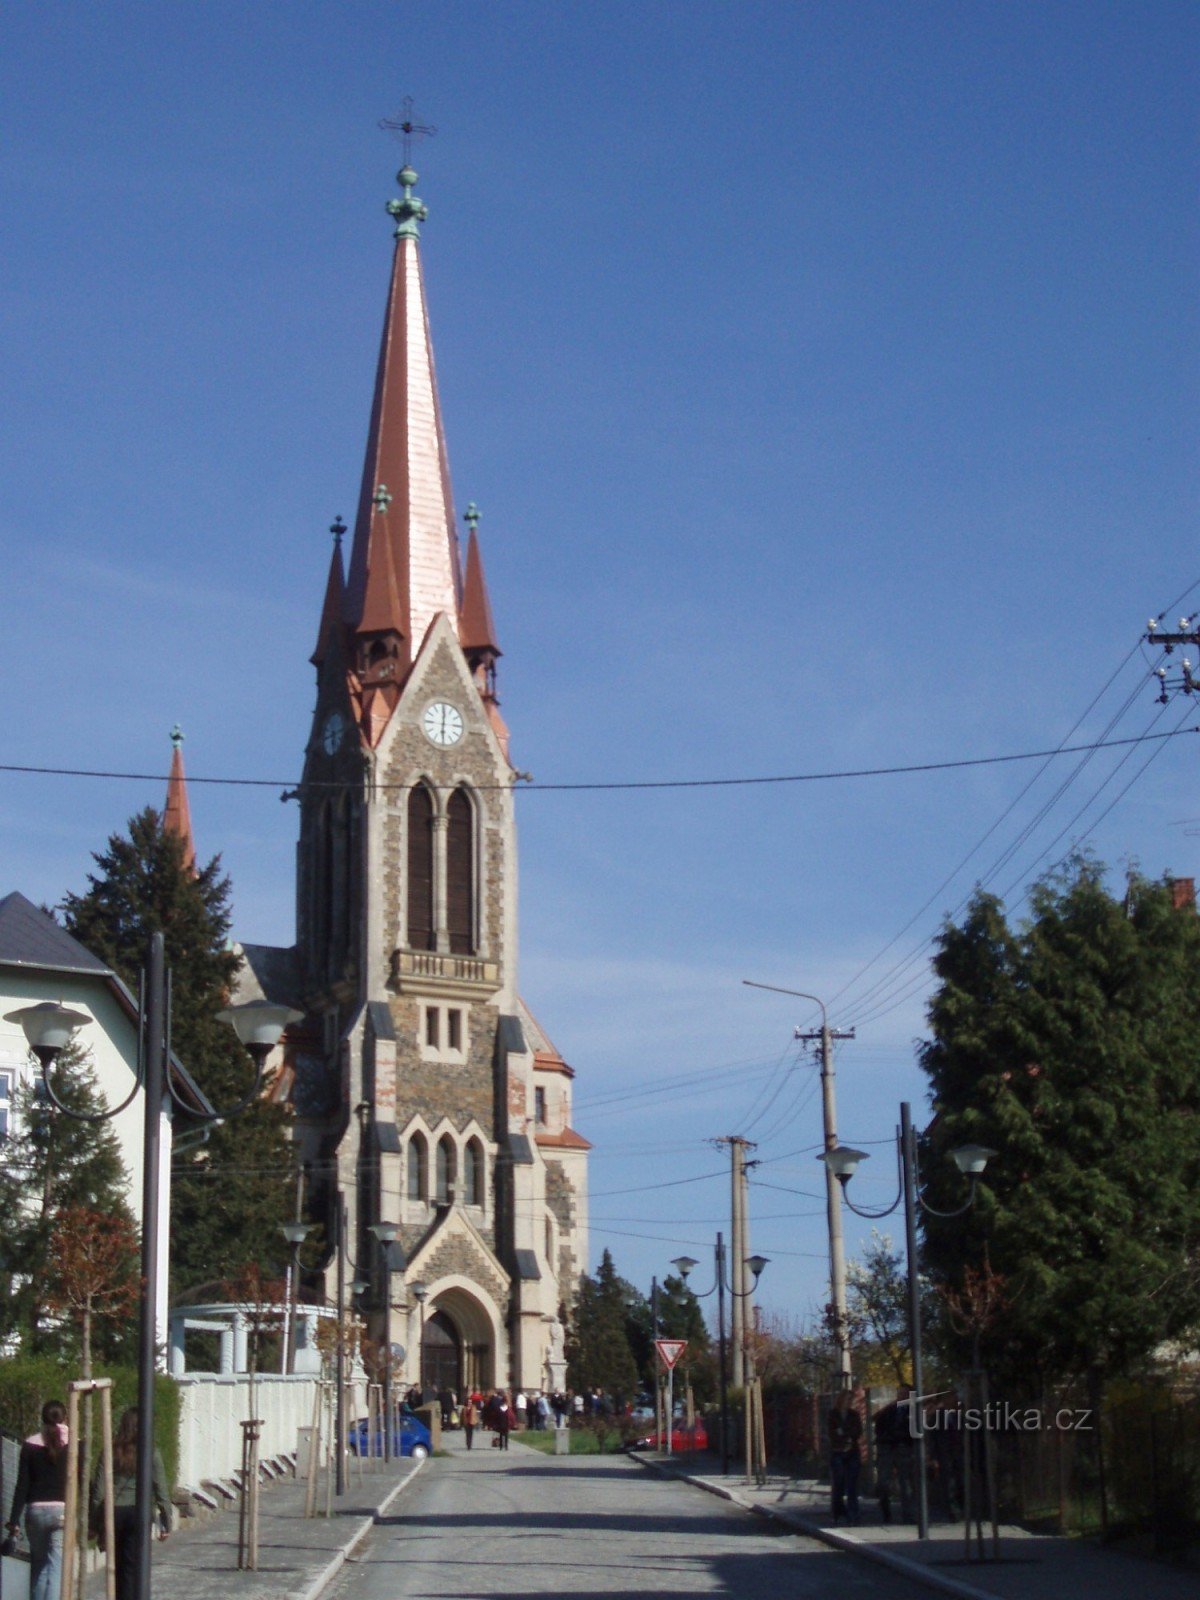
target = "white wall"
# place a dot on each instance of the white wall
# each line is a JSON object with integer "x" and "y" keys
{"x": 213, "y": 1406}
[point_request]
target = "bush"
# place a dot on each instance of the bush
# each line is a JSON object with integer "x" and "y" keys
{"x": 28, "y": 1382}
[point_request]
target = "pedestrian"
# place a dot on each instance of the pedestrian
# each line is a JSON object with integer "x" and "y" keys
{"x": 543, "y": 1411}
{"x": 894, "y": 1456}
{"x": 504, "y": 1420}
{"x": 41, "y": 1493}
{"x": 124, "y": 1465}
{"x": 469, "y": 1416}
{"x": 520, "y": 1402}
{"x": 844, "y": 1430}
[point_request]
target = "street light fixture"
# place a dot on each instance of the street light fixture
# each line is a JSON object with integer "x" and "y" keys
{"x": 420, "y": 1293}
{"x": 49, "y": 1029}
{"x": 757, "y": 1265}
{"x": 393, "y": 1261}
{"x": 295, "y": 1233}
{"x": 970, "y": 1159}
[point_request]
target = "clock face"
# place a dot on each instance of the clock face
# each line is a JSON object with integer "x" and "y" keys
{"x": 442, "y": 724}
{"x": 333, "y": 731}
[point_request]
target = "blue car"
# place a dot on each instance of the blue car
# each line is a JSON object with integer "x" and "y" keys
{"x": 410, "y": 1438}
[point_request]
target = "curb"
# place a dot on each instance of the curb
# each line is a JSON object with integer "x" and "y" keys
{"x": 323, "y": 1578}
{"x": 849, "y": 1543}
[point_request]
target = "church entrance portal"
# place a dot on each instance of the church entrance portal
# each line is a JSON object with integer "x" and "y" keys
{"x": 441, "y": 1354}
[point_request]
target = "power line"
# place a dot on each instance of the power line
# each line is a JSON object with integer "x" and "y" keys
{"x": 632, "y": 784}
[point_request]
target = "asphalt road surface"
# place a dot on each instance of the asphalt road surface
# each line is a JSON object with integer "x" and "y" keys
{"x": 523, "y": 1524}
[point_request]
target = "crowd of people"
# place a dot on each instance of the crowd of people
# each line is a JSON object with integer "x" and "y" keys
{"x": 503, "y": 1412}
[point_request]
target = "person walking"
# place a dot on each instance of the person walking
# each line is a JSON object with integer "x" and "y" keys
{"x": 469, "y": 1417}
{"x": 844, "y": 1430}
{"x": 125, "y": 1442}
{"x": 504, "y": 1420}
{"x": 41, "y": 1493}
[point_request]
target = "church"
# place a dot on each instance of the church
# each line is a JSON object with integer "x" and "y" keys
{"x": 425, "y": 1094}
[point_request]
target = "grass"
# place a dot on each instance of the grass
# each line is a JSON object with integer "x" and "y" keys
{"x": 584, "y": 1441}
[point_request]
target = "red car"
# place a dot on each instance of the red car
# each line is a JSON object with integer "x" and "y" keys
{"x": 683, "y": 1439}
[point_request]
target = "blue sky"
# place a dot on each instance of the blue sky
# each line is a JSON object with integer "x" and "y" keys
{"x": 826, "y": 375}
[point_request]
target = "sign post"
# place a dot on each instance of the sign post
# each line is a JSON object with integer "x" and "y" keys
{"x": 669, "y": 1352}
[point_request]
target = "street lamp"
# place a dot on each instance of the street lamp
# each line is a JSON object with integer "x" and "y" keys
{"x": 49, "y": 1029}
{"x": 970, "y": 1159}
{"x": 685, "y": 1265}
{"x": 420, "y": 1293}
{"x": 393, "y": 1261}
{"x": 295, "y": 1233}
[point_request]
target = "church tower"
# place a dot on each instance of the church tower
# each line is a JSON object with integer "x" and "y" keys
{"x": 426, "y": 1096}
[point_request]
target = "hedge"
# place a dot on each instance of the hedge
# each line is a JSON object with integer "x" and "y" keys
{"x": 29, "y": 1381}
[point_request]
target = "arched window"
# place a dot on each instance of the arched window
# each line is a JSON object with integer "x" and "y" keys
{"x": 473, "y": 1174}
{"x": 460, "y": 874}
{"x": 420, "y": 869}
{"x": 417, "y": 1168}
{"x": 445, "y": 1169}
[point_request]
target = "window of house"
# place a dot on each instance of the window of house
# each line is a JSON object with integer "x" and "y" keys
{"x": 432, "y": 1029}
{"x": 473, "y": 1173}
{"x": 420, "y": 869}
{"x": 460, "y": 873}
{"x": 445, "y": 1169}
{"x": 6, "y": 1097}
{"x": 539, "y": 1106}
{"x": 417, "y": 1186}
{"x": 454, "y": 1030}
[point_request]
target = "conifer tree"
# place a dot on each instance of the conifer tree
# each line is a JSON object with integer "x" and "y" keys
{"x": 1069, "y": 1047}
{"x": 598, "y": 1353}
{"x": 55, "y": 1163}
{"x": 229, "y": 1193}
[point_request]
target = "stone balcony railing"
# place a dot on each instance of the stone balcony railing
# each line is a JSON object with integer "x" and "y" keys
{"x": 431, "y": 972}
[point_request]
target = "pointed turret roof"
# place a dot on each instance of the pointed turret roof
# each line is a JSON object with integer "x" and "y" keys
{"x": 177, "y": 815}
{"x": 476, "y": 630}
{"x": 333, "y": 612}
{"x": 404, "y": 565}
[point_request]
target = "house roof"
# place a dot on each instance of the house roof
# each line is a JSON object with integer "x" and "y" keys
{"x": 30, "y": 937}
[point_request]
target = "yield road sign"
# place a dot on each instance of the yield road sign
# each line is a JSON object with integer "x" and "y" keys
{"x": 670, "y": 1350}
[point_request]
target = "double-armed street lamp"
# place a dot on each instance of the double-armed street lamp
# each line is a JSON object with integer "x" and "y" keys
{"x": 970, "y": 1159}
{"x": 295, "y": 1233}
{"x": 49, "y": 1028}
{"x": 720, "y": 1288}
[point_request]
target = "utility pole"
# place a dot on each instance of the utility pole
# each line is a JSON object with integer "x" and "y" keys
{"x": 739, "y": 1250}
{"x": 833, "y": 1189}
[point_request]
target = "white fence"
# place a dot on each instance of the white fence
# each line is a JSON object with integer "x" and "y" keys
{"x": 212, "y": 1408}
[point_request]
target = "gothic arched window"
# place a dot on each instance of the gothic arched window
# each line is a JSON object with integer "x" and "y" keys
{"x": 473, "y": 1174}
{"x": 417, "y": 1168}
{"x": 445, "y": 1169}
{"x": 420, "y": 869}
{"x": 460, "y": 873}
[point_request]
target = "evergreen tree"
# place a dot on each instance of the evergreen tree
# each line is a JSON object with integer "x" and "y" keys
{"x": 598, "y": 1353}
{"x": 53, "y": 1164}
{"x": 1069, "y": 1047}
{"x": 230, "y": 1193}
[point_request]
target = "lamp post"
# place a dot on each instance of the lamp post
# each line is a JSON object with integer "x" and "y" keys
{"x": 685, "y": 1265}
{"x": 295, "y": 1233}
{"x": 393, "y": 1261}
{"x": 970, "y": 1159}
{"x": 420, "y": 1293}
{"x": 48, "y": 1029}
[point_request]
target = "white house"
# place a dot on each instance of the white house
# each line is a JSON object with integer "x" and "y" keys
{"x": 41, "y": 961}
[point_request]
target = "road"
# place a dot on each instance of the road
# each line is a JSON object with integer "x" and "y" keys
{"x": 522, "y": 1524}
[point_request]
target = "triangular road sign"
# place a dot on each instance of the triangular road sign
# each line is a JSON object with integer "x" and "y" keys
{"x": 670, "y": 1350}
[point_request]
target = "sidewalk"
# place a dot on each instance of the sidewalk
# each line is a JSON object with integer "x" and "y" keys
{"x": 297, "y": 1556}
{"x": 1031, "y": 1566}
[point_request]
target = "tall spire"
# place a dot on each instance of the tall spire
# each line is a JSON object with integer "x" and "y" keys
{"x": 476, "y": 630}
{"x": 177, "y": 816}
{"x": 333, "y": 612}
{"x": 404, "y": 565}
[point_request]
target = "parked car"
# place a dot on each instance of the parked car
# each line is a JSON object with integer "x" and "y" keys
{"x": 683, "y": 1439}
{"x": 410, "y": 1438}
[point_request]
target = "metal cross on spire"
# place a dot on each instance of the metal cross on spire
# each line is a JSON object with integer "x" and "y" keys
{"x": 406, "y": 128}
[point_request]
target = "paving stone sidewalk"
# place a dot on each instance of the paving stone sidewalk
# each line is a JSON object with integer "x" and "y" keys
{"x": 1030, "y": 1566}
{"x": 297, "y": 1556}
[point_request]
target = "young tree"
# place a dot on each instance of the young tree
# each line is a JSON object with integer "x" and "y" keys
{"x": 230, "y": 1193}
{"x": 1069, "y": 1048}
{"x": 877, "y": 1308}
{"x": 55, "y": 1164}
{"x": 92, "y": 1275}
